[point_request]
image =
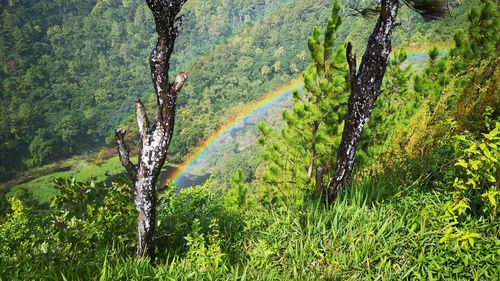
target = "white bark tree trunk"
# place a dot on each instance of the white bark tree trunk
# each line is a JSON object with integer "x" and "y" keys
{"x": 155, "y": 140}
{"x": 365, "y": 89}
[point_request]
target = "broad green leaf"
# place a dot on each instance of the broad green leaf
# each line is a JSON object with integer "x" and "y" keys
{"x": 491, "y": 178}
{"x": 472, "y": 148}
{"x": 461, "y": 163}
{"x": 491, "y": 135}
{"x": 471, "y": 242}
{"x": 472, "y": 183}
{"x": 474, "y": 164}
{"x": 491, "y": 194}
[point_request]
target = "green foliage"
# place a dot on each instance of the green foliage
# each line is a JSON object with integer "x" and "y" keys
{"x": 80, "y": 64}
{"x": 312, "y": 128}
{"x": 475, "y": 189}
{"x": 205, "y": 255}
{"x": 39, "y": 182}
{"x": 43, "y": 148}
{"x": 14, "y": 233}
{"x": 193, "y": 210}
{"x": 238, "y": 191}
{"x": 83, "y": 221}
{"x": 369, "y": 233}
{"x": 458, "y": 86}
{"x": 389, "y": 225}
{"x": 483, "y": 39}
{"x": 94, "y": 211}
{"x": 433, "y": 54}
{"x": 431, "y": 83}
{"x": 392, "y": 112}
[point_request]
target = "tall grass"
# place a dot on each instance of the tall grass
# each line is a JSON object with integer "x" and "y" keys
{"x": 363, "y": 236}
{"x": 376, "y": 230}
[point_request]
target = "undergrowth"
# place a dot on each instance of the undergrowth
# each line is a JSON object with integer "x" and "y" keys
{"x": 368, "y": 234}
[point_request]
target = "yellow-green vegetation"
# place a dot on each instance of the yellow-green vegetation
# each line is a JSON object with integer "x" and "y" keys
{"x": 370, "y": 232}
{"x": 42, "y": 188}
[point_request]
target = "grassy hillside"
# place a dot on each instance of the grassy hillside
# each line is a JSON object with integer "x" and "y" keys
{"x": 39, "y": 183}
{"x": 422, "y": 203}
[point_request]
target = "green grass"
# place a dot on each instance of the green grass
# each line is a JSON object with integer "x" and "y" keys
{"x": 356, "y": 239}
{"x": 372, "y": 232}
{"x": 83, "y": 170}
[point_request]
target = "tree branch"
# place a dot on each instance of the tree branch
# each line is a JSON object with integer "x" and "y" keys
{"x": 429, "y": 9}
{"x": 168, "y": 25}
{"x": 367, "y": 13}
{"x": 142, "y": 120}
{"x": 351, "y": 60}
{"x": 124, "y": 152}
{"x": 319, "y": 180}
{"x": 176, "y": 86}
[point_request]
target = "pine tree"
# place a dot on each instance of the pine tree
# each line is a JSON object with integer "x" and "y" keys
{"x": 474, "y": 66}
{"x": 366, "y": 82}
{"x": 312, "y": 128}
{"x": 431, "y": 83}
{"x": 483, "y": 39}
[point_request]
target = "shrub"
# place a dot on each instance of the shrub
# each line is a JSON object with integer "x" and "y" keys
{"x": 193, "y": 211}
{"x": 475, "y": 187}
{"x": 84, "y": 221}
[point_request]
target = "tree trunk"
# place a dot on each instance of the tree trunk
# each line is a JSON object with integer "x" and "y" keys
{"x": 313, "y": 152}
{"x": 365, "y": 89}
{"x": 156, "y": 139}
{"x": 145, "y": 202}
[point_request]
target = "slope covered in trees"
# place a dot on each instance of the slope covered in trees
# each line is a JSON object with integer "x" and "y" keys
{"x": 70, "y": 70}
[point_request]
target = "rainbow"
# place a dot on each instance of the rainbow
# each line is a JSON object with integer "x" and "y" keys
{"x": 251, "y": 109}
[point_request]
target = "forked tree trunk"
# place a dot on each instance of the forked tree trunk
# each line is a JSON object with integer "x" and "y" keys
{"x": 365, "y": 89}
{"x": 155, "y": 139}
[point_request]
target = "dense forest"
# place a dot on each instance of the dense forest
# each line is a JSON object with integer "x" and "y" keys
{"x": 70, "y": 71}
{"x": 421, "y": 198}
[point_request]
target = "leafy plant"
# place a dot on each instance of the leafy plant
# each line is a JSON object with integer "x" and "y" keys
{"x": 205, "y": 252}
{"x": 475, "y": 190}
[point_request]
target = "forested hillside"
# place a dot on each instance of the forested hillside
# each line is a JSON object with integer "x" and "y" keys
{"x": 371, "y": 165}
{"x": 71, "y": 70}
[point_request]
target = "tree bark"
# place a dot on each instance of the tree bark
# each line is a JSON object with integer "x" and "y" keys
{"x": 365, "y": 89}
{"x": 313, "y": 152}
{"x": 155, "y": 140}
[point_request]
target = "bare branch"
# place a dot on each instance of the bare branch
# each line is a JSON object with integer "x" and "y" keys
{"x": 142, "y": 119}
{"x": 178, "y": 82}
{"x": 124, "y": 152}
{"x": 429, "y": 9}
{"x": 367, "y": 13}
{"x": 178, "y": 23}
{"x": 351, "y": 60}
